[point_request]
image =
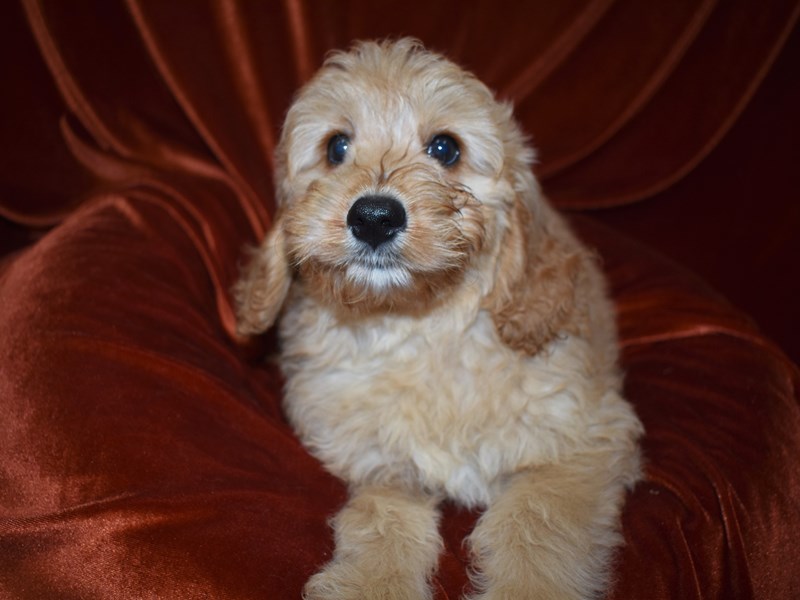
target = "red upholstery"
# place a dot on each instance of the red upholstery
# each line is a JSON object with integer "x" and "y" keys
{"x": 143, "y": 453}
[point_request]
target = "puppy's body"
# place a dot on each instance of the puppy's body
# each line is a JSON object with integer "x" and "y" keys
{"x": 438, "y": 401}
{"x": 469, "y": 353}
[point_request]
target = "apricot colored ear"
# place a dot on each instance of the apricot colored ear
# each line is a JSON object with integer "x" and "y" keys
{"x": 264, "y": 284}
{"x": 538, "y": 271}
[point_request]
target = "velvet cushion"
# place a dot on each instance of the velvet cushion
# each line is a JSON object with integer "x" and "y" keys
{"x": 143, "y": 452}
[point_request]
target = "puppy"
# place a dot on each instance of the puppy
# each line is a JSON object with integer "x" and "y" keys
{"x": 444, "y": 335}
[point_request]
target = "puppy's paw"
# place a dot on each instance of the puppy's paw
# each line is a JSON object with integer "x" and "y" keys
{"x": 342, "y": 581}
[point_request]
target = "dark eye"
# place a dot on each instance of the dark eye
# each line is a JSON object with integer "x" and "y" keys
{"x": 444, "y": 149}
{"x": 337, "y": 148}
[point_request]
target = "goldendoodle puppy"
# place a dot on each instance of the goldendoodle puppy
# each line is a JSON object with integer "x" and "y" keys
{"x": 444, "y": 335}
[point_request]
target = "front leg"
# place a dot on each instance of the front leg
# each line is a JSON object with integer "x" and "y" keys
{"x": 552, "y": 531}
{"x": 387, "y": 547}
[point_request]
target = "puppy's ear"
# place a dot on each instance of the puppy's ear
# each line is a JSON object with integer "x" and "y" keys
{"x": 262, "y": 289}
{"x": 539, "y": 270}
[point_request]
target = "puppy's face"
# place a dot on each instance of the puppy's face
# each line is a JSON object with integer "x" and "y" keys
{"x": 397, "y": 171}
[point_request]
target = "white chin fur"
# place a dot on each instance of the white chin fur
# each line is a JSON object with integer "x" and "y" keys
{"x": 378, "y": 278}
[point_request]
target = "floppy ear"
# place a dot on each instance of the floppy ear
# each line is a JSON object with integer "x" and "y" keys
{"x": 260, "y": 292}
{"x": 539, "y": 270}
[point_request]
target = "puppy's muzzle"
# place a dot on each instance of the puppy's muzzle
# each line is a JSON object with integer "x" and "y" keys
{"x": 376, "y": 219}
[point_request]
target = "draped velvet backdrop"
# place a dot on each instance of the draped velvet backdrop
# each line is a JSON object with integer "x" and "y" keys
{"x": 143, "y": 453}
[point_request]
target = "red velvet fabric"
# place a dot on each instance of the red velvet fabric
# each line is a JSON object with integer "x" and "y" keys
{"x": 143, "y": 453}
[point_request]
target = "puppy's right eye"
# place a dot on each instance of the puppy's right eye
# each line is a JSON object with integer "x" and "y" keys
{"x": 337, "y": 148}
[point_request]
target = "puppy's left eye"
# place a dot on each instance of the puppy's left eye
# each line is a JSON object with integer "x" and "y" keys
{"x": 337, "y": 148}
{"x": 444, "y": 149}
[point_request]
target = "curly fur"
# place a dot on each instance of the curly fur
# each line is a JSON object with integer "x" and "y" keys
{"x": 473, "y": 359}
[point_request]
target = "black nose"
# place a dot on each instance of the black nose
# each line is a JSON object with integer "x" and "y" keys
{"x": 376, "y": 219}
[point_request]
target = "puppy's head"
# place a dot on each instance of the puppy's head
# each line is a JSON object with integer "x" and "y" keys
{"x": 399, "y": 175}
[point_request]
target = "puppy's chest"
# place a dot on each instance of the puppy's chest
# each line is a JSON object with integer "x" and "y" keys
{"x": 441, "y": 402}
{"x": 439, "y": 368}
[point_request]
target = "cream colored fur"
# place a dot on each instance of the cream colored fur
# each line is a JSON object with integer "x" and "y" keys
{"x": 472, "y": 358}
